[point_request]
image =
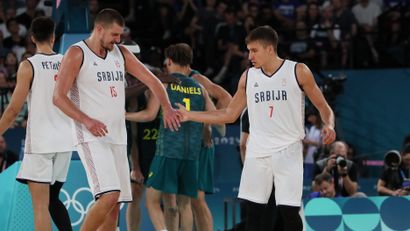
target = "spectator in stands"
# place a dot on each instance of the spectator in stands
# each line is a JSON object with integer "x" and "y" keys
{"x": 327, "y": 37}
{"x": 366, "y": 13}
{"x": 94, "y": 8}
{"x": 302, "y": 48}
{"x": 249, "y": 23}
{"x": 395, "y": 179}
{"x": 312, "y": 15}
{"x": 343, "y": 17}
{"x": 229, "y": 37}
{"x": 30, "y": 13}
{"x": 7, "y": 157}
{"x": 164, "y": 26}
{"x": 15, "y": 40}
{"x": 326, "y": 186}
{"x": 208, "y": 18}
{"x": 10, "y": 13}
{"x": 11, "y": 63}
{"x": 266, "y": 17}
{"x": 285, "y": 12}
{"x": 344, "y": 174}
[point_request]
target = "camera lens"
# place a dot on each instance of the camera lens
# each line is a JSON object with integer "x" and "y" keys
{"x": 340, "y": 160}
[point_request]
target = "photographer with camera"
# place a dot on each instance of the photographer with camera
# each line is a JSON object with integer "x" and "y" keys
{"x": 342, "y": 170}
{"x": 395, "y": 179}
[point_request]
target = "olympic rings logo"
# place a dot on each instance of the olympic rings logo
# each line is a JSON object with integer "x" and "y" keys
{"x": 80, "y": 203}
{"x": 78, "y": 206}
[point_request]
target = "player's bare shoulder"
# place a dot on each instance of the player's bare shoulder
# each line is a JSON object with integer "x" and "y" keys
{"x": 242, "y": 80}
{"x": 25, "y": 70}
{"x": 303, "y": 74}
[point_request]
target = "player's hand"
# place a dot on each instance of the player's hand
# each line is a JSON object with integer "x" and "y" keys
{"x": 183, "y": 113}
{"x": 171, "y": 119}
{"x": 136, "y": 176}
{"x": 96, "y": 127}
{"x": 328, "y": 134}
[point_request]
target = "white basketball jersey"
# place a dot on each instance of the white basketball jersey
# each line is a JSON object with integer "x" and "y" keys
{"x": 99, "y": 92}
{"x": 48, "y": 129}
{"x": 276, "y": 109}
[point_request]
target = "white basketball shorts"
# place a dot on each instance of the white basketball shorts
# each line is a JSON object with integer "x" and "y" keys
{"x": 283, "y": 168}
{"x": 44, "y": 167}
{"x": 107, "y": 168}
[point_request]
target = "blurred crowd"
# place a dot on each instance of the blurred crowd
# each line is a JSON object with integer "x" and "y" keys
{"x": 322, "y": 33}
{"x": 325, "y": 34}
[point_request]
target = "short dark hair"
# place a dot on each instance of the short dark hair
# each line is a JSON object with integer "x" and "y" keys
{"x": 180, "y": 53}
{"x": 406, "y": 149}
{"x": 264, "y": 34}
{"x": 108, "y": 16}
{"x": 9, "y": 21}
{"x": 42, "y": 29}
{"x": 406, "y": 140}
{"x": 324, "y": 176}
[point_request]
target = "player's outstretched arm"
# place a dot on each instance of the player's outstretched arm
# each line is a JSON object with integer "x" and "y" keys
{"x": 69, "y": 69}
{"x": 136, "y": 68}
{"x": 24, "y": 78}
{"x": 148, "y": 114}
{"x": 307, "y": 82}
{"x": 223, "y": 98}
{"x": 227, "y": 115}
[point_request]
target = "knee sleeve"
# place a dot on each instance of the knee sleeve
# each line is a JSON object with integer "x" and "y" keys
{"x": 57, "y": 209}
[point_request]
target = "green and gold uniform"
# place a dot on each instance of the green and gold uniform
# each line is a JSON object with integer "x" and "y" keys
{"x": 174, "y": 168}
{"x": 206, "y": 163}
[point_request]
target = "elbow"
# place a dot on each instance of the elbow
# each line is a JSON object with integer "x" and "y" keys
{"x": 230, "y": 119}
{"x": 150, "y": 117}
{"x": 56, "y": 100}
{"x": 242, "y": 147}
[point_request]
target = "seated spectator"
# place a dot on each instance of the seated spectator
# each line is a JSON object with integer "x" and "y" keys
{"x": 326, "y": 35}
{"x": 7, "y": 157}
{"x": 366, "y": 13}
{"x": 14, "y": 39}
{"x": 343, "y": 171}
{"x": 394, "y": 180}
{"x": 326, "y": 185}
{"x": 302, "y": 48}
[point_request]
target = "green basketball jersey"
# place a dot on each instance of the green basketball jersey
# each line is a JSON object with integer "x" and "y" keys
{"x": 186, "y": 142}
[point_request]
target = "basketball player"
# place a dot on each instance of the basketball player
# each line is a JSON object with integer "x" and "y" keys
{"x": 273, "y": 90}
{"x": 142, "y": 139}
{"x": 174, "y": 168}
{"x": 48, "y": 146}
{"x": 93, "y": 71}
{"x": 200, "y": 209}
